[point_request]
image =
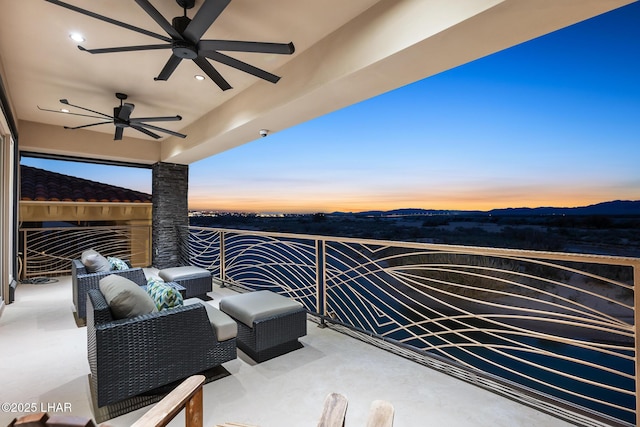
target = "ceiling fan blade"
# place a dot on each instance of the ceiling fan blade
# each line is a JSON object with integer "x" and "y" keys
{"x": 208, "y": 12}
{"x": 72, "y": 114}
{"x": 156, "y": 119}
{"x": 110, "y": 21}
{"x": 159, "y": 129}
{"x": 66, "y": 102}
{"x": 125, "y": 111}
{"x": 212, "y": 72}
{"x": 86, "y": 126}
{"x": 126, "y": 48}
{"x": 242, "y": 66}
{"x": 242, "y": 46}
{"x": 145, "y": 131}
{"x": 160, "y": 20}
{"x": 169, "y": 68}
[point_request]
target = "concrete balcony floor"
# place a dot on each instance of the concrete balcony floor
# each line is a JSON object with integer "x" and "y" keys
{"x": 43, "y": 353}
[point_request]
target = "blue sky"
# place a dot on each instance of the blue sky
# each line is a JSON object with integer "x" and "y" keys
{"x": 552, "y": 122}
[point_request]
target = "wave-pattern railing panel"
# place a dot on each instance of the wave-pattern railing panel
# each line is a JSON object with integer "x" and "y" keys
{"x": 201, "y": 247}
{"x": 49, "y": 251}
{"x": 258, "y": 262}
{"x": 565, "y": 329}
{"x": 560, "y": 325}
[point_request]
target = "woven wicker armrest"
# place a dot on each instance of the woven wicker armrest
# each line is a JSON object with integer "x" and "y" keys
{"x": 98, "y": 308}
{"x": 134, "y": 274}
{"x": 77, "y": 267}
{"x": 179, "y": 324}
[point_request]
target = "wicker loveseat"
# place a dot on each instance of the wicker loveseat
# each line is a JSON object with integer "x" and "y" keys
{"x": 82, "y": 281}
{"x": 131, "y": 356}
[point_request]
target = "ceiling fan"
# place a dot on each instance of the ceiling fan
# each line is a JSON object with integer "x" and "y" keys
{"x": 185, "y": 40}
{"x": 122, "y": 119}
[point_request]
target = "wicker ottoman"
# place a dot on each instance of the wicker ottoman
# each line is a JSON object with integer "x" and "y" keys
{"x": 269, "y": 324}
{"x": 196, "y": 280}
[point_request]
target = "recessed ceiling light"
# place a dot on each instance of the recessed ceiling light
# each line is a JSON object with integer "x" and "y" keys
{"x": 199, "y": 77}
{"x": 64, "y": 110}
{"x": 77, "y": 37}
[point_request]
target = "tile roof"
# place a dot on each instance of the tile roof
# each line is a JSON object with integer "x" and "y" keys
{"x": 42, "y": 185}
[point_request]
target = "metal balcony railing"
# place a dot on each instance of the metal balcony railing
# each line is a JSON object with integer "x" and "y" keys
{"x": 553, "y": 330}
{"x": 49, "y": 251}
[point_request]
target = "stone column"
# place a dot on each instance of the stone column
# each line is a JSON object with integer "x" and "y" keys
{"x": 170, "y": 212}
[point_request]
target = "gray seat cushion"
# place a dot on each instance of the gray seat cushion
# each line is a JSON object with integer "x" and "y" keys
{"x": 224, "y": 326}
{"x": 183, "y": 273}
{"x": 255, "y": 306}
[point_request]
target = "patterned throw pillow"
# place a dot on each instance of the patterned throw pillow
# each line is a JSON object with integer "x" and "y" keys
{"x": 117, "y": 263}
{"x": 163, "y": 295}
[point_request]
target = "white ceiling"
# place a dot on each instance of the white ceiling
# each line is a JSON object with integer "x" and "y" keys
{"x": 44, "y": 64}
{"x": 346, "y": 51}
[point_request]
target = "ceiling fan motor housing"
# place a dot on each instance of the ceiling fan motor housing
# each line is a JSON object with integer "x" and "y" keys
{"x": 184, "y": 49}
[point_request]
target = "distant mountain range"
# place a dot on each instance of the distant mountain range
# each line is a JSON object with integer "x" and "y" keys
{"x": 616, "y": 207}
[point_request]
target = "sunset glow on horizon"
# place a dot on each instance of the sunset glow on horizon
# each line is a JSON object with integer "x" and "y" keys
{"x": 360, "y": 203}
{"x": 552, "y": 122}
